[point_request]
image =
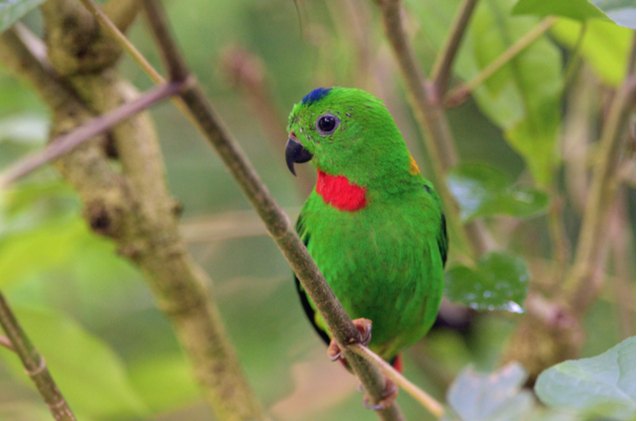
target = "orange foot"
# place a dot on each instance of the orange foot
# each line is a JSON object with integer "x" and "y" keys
{"x": 364, "y": 326}
{"x": 389, "y": 396}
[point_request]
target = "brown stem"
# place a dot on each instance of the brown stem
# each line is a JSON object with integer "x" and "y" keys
{"x": 582, "y": 283}
{"x": 460, "y": 94}
{"x": 63, "y": 144}
{"x": 34, "y": 364}
{"x": 442, "y": 67}
{"x": 5, "y": 342}
{"x": 130, "y": 203}
{"x": 540, "y": 342}
{"x": 430, "y": 115}
{"x": 275, "y": 219}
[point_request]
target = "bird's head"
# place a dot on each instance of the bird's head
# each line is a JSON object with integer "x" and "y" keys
{"x": 345, "y": 131}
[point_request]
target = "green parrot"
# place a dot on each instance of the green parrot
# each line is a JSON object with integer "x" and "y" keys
{"x": 373, "y": 224}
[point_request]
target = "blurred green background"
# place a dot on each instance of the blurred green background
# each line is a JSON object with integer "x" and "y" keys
{"x": 89, "y": 311}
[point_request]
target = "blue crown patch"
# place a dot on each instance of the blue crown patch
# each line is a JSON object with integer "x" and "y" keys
{"x": 315, "y": 95}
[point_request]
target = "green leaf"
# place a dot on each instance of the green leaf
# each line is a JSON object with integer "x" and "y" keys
{"x": 491, "y": 397}
{"x": 622, "y": 12}
{"x": 605, "y": 46}
{"x": 165, "y": 382}
{"x": 581, "y": 10}
{"x": 24, "y": 128}
{"x": 603, "y": 385}
{"x": 39, "y": 229}
{"x": 87, "y": 371}
{"x": 482, "y": 190}
{"x": 523, "y": 98}
{"x": 499, "y": 282}
{"x": 13, "y": 10}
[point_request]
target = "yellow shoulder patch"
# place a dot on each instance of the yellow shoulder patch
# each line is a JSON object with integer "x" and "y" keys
{"x": 413, "y": 166}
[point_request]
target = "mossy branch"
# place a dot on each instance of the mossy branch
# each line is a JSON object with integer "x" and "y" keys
{"x": 65, "y": 143}
{"x": 34, "y": 364}
{"x": 133, "y": 206}
{"x": 583, "y": 282}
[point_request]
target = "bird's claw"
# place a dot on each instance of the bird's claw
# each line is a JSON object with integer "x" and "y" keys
{"x": 389, "y": 396}
{"x": 364, "y": 327}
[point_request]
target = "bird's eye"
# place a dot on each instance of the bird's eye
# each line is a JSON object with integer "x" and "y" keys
{"x": 327, "y": 123}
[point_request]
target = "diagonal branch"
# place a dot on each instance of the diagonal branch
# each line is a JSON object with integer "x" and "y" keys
{"x": 275, "y": 219}
{"x": 459, "y": 94}
{"x": 131, "y": 204}
{"x": 442, "y": 67}
{"x": 429, "y": 112}
{"x": 582, "y": 284}
{"x": 34, "y": 364}
{"x": 428, "y": 402}
{"x": 68, "y": 142}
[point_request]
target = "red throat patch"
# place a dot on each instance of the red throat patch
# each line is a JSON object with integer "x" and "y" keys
{"x": 336, "y": 190}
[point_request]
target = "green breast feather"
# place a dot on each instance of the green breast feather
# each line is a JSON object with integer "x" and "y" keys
{"x": 373, "y": 224}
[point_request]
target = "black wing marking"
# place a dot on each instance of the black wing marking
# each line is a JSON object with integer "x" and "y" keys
{"x": 443, "y": 239}
{"x": 305, "y": 302}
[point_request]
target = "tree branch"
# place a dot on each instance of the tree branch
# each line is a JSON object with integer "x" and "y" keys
{"x": 5, "y": 342}
{"x": 460, "y": 94}
{"x": 582, "y": 285}
{"x": 67, "y": 142}
{"x": 274, "y": 218}
{"x": 133, "y": 206}
{"x": 114, "y": 31}
{"x": 427, "y": 401}
{"x": 433, "y": 123}
{"x": 538, "y": 341}
{"x": 34, "y": 364}
{"x": 442, "y": 68}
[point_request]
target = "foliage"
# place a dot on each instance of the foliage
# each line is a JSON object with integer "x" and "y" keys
{"x": 484, "y": 191}
{"x": 490, "y": 397}
{"x": 601, "y": 387}
{"x": 622, "y": 12}
{"x": 499, "y": 282}
{"x": 12, "y": 10}
{"x": 116, "y": 357}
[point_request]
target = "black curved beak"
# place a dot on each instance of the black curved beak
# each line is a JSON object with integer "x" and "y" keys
{"x": 295, "y": 153}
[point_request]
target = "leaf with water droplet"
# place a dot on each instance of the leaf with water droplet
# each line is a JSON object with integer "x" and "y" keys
{"x": 498, "y": 282}
{"x": 482, "y": 190}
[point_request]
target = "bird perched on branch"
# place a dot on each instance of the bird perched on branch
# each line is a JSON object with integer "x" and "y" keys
{"x": 373, "y": 224}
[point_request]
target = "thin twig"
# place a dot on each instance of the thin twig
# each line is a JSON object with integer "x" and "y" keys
{"x": 34, "y": 364}
{"x": 442, "y": 67}
{"x": 427, "y": 401}
{"x": 433, "y": 123}
{"x": 582, "y": 285}
{"x": 5, "y": 342}
{"x": 273, "y": 216}
{"x": 134, "y": 207}
{"x": 67, "y": 142}
{"x": 122, "y": 41}
{"x": 459, "y": 94}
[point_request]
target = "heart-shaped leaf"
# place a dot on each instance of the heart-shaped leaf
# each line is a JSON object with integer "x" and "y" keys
{"x": 482, "y": 190}
{"x": 497, "y": 396}
{"x": 499, "y": 282}
{"x": 603, "y": 385}
{"x": 622, "y": 12}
